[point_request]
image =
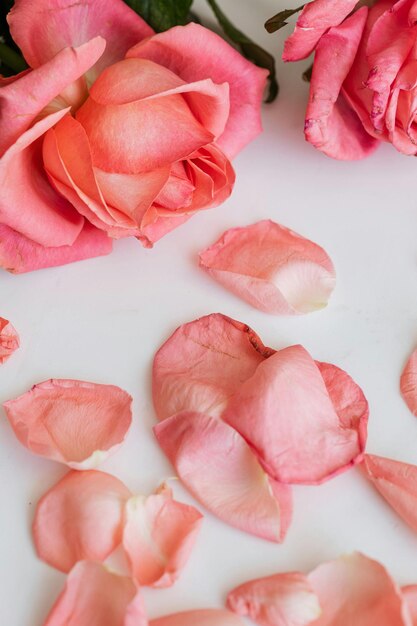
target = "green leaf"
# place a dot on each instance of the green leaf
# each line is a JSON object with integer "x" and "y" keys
{"x": 11, "y": 60}
{"x": 279, "y": 20}
{"x": 249, "y": 49}
{"x": 162, "y": 14}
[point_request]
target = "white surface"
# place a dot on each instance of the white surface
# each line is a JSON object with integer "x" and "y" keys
{"x": 103, "y": 319}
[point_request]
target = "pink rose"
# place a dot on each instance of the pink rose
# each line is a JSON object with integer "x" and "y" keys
{"x": 364, "y": 81}
{"x": 114, "y": 131}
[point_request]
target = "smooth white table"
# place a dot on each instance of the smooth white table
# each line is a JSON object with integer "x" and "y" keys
{"x": 103, "y": 319}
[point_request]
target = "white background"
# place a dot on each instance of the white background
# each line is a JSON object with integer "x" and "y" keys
{"x": 102, "y": 320}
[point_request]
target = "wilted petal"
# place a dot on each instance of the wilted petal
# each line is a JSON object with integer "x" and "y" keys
{"x": 202, "y": 617}
{"x": 203, "y": 364}
{"x": 408, "y": 383}
{"x": 272, "y": 268}
{"x": 9, "y": 339}
{"x": 410, "y": 596}
{"x": 397, "y": 483}
{"x": 71, "y": 421}
{"x": 220, "y": 470}
{"x": 80, "y": 518}
{"x": 357, "y": 591}
{"x": 286, "y": 414}
{"x": 94, "y": 596}
{"x": 19, "y": 254}
{"x": 279, "y": 600}
{"x": 158, "y": 537}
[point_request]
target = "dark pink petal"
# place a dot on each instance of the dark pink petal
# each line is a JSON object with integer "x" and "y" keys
{"x": 408, "y": 383}
{"x": 179, "y": 49}
{"x": 19, "y": 254}
{"x": 288, "y": 416}
{"x": 159, "y": 536}
{"x": 272, "y": 268}
{"x": 80, "y": 518}
{"x": 44, "y": 28}
{"x": 201, "y": 617}
{"x": 9, "y": 339}
{"x": 331, "y": 125}
{"x": 95, "y": 596}
{"x": 220, "y": 470}
{"x": 397, "y": 483}
{"x": 357, "y": 591}
{"x": 203, "y": 364}
{"x": 74, "y": 422}
{"x": 278, "y": 600}
{"x": 314, "y": 20}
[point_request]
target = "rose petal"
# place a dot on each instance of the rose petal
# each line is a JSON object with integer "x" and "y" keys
{"x": 219, "y": 469}
{"x": 94, "y": 596}
{"x": 357, "y": 591}
{"x": 23, "y": 99}
{"x": 397, "y": 483}
{"x": 80, "y": 518}
{"x": 74, "y": 422}
{"x": 410, "y": 596}
{"x": 279, "y": 600}
{"x": 43, "y": 29}
{"x": 286, "y": 414}
{"x": 202, "y": 617}
{"x": 9, "y": 339}
{"x": 272, "y": 268}
{"x": 203, "y": 364}
{"x": 179, "y": 49}
{"x": 158, "y": 537}
{"x": 314, "y": 20}
{"x": 331, "y": 125}
{"x": 19, "y": 254}
{"x": 408, "y": 383}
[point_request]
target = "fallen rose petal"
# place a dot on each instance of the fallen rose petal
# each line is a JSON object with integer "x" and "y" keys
{"x": 291, "y": 421}
{"x": 94, "y": 596}
{"x": 158, "y": 537}
{"x": 279, "y": 600}
{"x": 410, "y": 596}
{"x": 408, "y": 383}
{"x": 80, "y": 518}
{"x": 354, "y": 590}
{"x": 397, "y": 483}
{"x": 272, "y": 268}
{"x": 203, "y": 364}
{"x": 9, "y": 340}
{"x": 71, "y": 421}
{"x": 202, "y": 617}
{"x": 19, "y": 254}
{"x": 220, "y": 470}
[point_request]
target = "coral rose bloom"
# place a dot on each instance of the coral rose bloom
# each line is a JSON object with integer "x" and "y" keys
{"x": 364, "y": 81}
{"x": 114, "y": 131}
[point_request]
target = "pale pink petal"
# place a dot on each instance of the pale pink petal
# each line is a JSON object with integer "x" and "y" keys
{"x": 71, "y": 421}
{"x": 95, "y": 596}
{"x": 314, "y": 20}
{"x": 408, "y": 383}
{"x": 158, "y": 537}
{"x": 397, "y": 483}
{"x": 19, "y": 254}
{"x": 80, "y": 518}
{"x": 201, "y": 617}
{"x": 272, "y": 268}
{"x": 330, "y": 124}
{"x": 410, "y": 596}
{"x": 44, "y": 28}
{"x": 179, "y": 49}
{"x": 23, "y": 99}
{"x": 357, "y": 591}
{"x": 43, "y": 216}
{"x": 203, "y": 364}
{"x": 9, "y": 339}
{"x": 286, "y": 414}
{"x": 278, "y": 600}
{"x": 220, "y": 470}
{"x": 154, "y": 231}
